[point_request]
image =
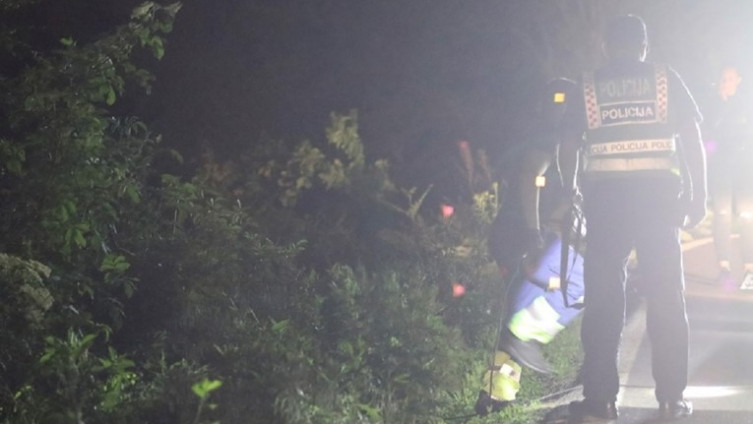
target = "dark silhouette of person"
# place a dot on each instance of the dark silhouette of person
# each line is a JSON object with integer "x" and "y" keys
{"x": 730, "y": 155}
{"x": 526, "y": 244}
{"x": 642, "y": 176}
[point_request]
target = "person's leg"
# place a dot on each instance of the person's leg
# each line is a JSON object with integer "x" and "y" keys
{"x": 744, "y": 200}
{"x": 660, "y": 258}
{"x": 608, "y": 242}
{"x": 500, "y": 384}
{"x": 720, "y": 188}
{"x": 721, "y": 206}
{"x": 745, "y": 220}
{"x": 659, "y": 255}
{"x": 501, "y": 381}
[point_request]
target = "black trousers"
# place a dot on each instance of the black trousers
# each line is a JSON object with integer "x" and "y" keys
{"x": 620, "y": 216}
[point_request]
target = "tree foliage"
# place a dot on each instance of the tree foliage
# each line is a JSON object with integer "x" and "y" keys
{"x": 295, "y": 284}
{"x": 70, "y": 176}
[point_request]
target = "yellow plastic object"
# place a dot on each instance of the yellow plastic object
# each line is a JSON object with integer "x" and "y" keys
{"x": 503, "y": 379}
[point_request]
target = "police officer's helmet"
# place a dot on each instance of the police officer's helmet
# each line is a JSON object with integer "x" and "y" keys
{"x": 555, "y": 96}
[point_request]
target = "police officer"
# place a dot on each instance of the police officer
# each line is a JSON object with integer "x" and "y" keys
{"x": 528, "y": 248}
{"x": 516, "y": 230}
{"x": 730, "y": 154}
{"x": 642, "y": 176}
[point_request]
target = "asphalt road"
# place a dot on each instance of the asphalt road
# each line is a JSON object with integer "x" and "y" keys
{"x": 721, "y": 350}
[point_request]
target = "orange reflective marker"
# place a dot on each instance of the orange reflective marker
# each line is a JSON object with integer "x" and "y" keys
{"x": 458, "y": 290}
{"x": 447, "y": 211}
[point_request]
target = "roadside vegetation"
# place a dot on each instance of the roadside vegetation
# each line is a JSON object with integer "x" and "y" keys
{"x": 297, "y": 283}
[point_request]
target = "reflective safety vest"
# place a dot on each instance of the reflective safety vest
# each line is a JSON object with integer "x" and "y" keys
{"x": 628, "y": 132}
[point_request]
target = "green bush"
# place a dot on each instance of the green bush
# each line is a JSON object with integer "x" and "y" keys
{"x": 294, "y": 284}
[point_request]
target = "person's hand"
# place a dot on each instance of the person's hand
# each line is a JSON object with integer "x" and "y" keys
{"x": 695, "y": 212}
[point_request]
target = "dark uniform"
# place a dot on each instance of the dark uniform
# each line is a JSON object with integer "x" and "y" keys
{"x": 632, "y": 180}
{"x": 536, "y": 312}
{"x": 517, "y": 227}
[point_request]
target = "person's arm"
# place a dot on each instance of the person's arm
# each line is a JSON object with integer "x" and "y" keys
{"x": 695, "y": 162}
{"x": 567, "y": 161}
{"x": 571, "y": 139}
{"x": 535, "y": 162}
{"x": 687, "y": 118}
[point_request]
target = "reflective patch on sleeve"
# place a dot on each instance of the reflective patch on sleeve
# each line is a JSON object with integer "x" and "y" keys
{"x": 553, "y": 283}
{"x": 539, "y": 321}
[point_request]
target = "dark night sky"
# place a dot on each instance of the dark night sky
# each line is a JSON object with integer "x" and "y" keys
{"x": 419, "y": 69}
{"x": 422, "y": 74}
{"x": 413, "y": 70}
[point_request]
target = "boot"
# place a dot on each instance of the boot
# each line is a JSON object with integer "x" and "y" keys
{"x": 527, "y": 353}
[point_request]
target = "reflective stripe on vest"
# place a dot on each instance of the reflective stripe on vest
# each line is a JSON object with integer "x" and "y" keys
{"x": 631, "y": 164}
{"x": 667, "y": 145}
